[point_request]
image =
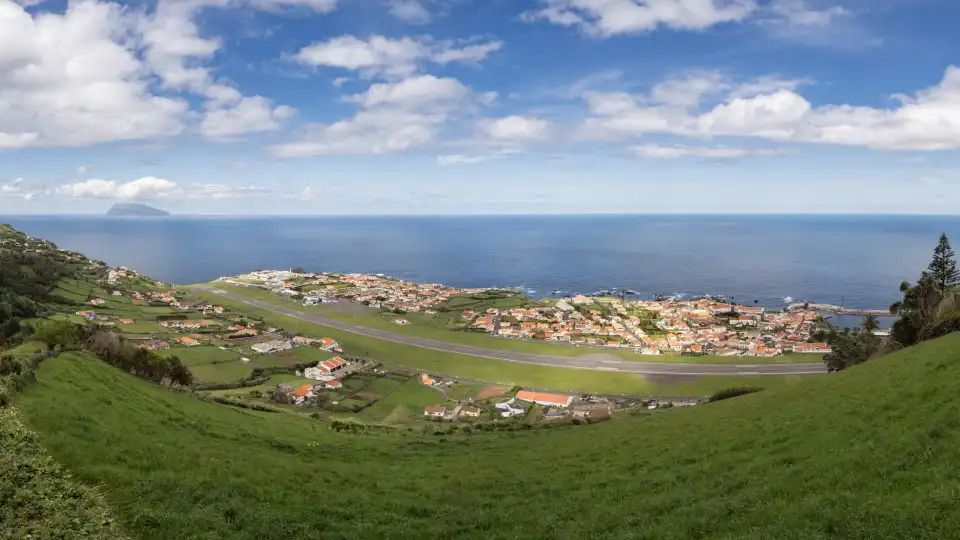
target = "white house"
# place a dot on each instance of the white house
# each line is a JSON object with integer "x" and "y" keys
{"x": 272, "y": 346}
{"x": 435, "y": 411}
{"x": 508, "y": 408}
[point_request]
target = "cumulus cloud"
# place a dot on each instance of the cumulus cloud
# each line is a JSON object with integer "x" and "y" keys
{"x": 72, "y": 79}
{"x": 656, "y": 151}
{"x": 150, "y": 188}
{"x": 462, "y": 159}
{"x": 612, "y": 17}
{"x": 927, "y": 120}
{"x": 392, "y": 117}
{"x": 25, "y": 189}
{"x": 86, "y": 75}
{"x": 515, "y": 128}
{"x": 411, "y": 11}
{"x": 178, "y": 54}
{"x": 146, "y": 188}
{"x": 379, "y": 56}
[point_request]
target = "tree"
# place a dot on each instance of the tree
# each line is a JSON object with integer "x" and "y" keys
{"x": 943, "y": 267}
{"x": 62, "y": 333}
{"x": 869, "y": 323}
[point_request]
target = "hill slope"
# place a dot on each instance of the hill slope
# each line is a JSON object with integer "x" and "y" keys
{"x": 868, "y": 453}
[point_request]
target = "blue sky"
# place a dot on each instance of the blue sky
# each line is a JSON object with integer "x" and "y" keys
{"x": 469, "y": 106}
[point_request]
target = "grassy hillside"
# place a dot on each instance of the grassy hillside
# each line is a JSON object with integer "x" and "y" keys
{"x": 869, "y": 453}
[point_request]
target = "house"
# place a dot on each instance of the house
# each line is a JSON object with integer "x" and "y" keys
{"x": 272, "y": 346}
{"x": 155, "y": 345}
{"x": 300, "y": 340}
{"x": 188, "y": 341}
{"x": 327, "y": 343}
{"x": 598, "y": 412}
{"x": 302, "y": 393}
{"x": 468, "y": 314}
{"x": 435, "y": 411}
{"x": 126, "y": 321}
{"x": 544, "y": 398}
{"x": 323, "y": 370}
{"x": 284, "y": 388}
{"x": 426, "y": 379}
{"x": 116, "y": 293}
{"x": 333, "y": 384}
{"x": 470, "y": 411}
{"x": 554, "y": 414}
{"x": 508, "y": 408}
{"x": 98, "y": 302}
{"x": 809, "y": 348}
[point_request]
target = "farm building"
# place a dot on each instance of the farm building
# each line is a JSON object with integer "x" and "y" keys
{"x": 543, "y": 398}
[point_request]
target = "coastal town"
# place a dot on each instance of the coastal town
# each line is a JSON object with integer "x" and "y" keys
{"x": 702, "y": 326}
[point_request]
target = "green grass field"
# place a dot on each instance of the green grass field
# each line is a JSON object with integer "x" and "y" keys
{"x": 435, "y": 327}
{"x": 271, "y": 384}
{"x": 221, "y": 373}
{"x": 403, "y": 405}
{"x": 509, "y": 373}
{"x": 201, "y": 355}
{"x": 870, "y": 453}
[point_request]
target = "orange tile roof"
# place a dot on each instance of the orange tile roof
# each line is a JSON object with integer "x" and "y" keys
{"x": 558, "y": 399}
{"x": 303, "y": 390}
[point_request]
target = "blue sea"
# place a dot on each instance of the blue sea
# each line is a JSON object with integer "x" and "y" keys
{"x": 856, "y": 260}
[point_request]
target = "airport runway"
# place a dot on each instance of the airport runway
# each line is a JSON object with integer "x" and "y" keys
{"x": 596, "y": 361}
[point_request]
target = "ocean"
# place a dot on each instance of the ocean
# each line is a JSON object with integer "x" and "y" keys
{"x": 763, "y": 259}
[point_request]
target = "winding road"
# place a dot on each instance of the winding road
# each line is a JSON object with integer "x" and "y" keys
{"x": 598, "y": 362}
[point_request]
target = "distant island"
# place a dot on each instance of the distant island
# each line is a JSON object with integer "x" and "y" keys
{"x": 135, "y": 210}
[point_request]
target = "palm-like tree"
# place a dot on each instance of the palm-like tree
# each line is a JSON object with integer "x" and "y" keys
{"x": 870, "y": 323}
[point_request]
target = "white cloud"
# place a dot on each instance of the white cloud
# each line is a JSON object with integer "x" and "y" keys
{"x": 515, "y": 128}
{"x": 248, "y": 115}
{"x": 412, "y": 92}
{"x": 462, "y": 159}
{"x": 177, "y": 53}
{"x": 146, "y": 188}
{"x": 411, "y": 11}
{"x": 799, "y": 13}
{"x": 23, "y": 188}
{"x": 319, "y": 6}
{"x": 74, "y": 79}
{"x": 655, "y": 151}
{"x": 392, "y": 117}
{"x": 383, "y": 56}
{"x": 340, "y": 81}
{"x": 613, "y": 17}
{"x": 928, "y": 120}
{"x": 150, "y": 188}
{"x": 83, "y": 168}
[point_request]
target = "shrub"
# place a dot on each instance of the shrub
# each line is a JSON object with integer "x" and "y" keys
{"x": 733, "y": 392}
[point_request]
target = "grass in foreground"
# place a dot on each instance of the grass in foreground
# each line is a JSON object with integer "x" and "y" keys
{"x": 508, "y": 373}
{"x": 868, "y": 453}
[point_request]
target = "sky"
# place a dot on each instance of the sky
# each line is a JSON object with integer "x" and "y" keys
{"x": 345, "y": 107}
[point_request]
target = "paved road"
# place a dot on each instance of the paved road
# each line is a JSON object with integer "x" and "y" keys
{"x": 609, "y": 363}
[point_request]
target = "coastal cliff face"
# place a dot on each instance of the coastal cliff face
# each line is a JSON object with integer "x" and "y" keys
{"x": 135, "y": 210}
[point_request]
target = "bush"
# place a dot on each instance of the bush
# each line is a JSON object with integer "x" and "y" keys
{"x": 40, "y": 499}
{"x": 733, "y": 392}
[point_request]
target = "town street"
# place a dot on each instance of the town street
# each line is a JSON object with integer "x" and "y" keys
{"x": 607, "y": 363}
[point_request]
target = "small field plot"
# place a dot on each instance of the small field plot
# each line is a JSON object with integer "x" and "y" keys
{"x": 379, "y": 389}
{"x": 221, "y": 373}
{"x": 403, "y": 405}
{"x": 291, "y": 357}
{"x": 271, "y": 384}
{"x": 202, "y": 355}
{"x": 142, "y": 327}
